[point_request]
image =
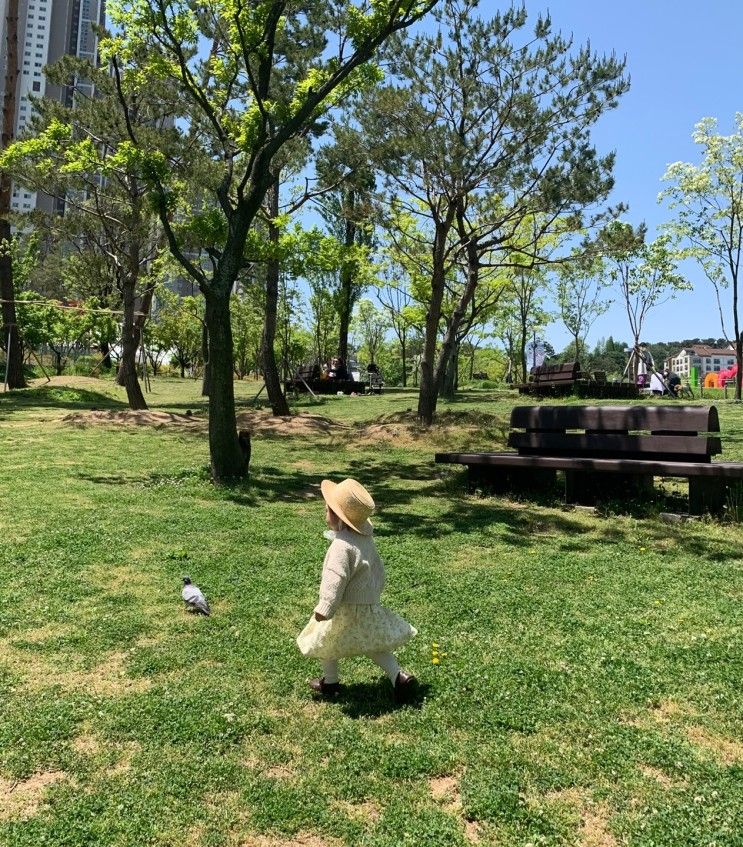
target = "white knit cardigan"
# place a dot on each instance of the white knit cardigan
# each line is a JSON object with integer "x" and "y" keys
{"x": 352, "y": 573}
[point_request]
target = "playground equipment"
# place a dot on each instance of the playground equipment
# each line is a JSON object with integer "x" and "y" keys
{"x": 718, "y": 379}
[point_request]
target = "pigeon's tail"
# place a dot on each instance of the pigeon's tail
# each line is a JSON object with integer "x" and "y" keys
{"x": 202, "y": 606}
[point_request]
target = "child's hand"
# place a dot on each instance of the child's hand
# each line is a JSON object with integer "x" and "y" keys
{"x": 319, "y": 617}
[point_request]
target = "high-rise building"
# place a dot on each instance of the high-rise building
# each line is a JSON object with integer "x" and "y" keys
{"x": 47, "y": 30}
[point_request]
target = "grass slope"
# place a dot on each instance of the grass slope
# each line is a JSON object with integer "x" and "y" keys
{"x": 588, "y": 690}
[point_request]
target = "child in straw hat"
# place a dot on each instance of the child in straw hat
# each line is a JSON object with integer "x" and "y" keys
{"x": 349, "y": 620}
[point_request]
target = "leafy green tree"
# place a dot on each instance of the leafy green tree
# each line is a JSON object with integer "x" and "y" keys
{"x": 579, "y": 297}
{"x": 176, "y": 327}
{"x": 346, "y": 173}
{"x": 708, "y": 202}
{"x": 324, "y": 323}
{"x": 247, "y": 331}
{"x": 61, "y": 327}
{"x": 645, "y": 275}
{"x": 486, "y": 130}
{"x": 83, "y": 156}
{"x": 609, "y": 356}
{"x": 527, "y": 316}
{"x": 294, "y": 341}
{"x": 273, "y": 71}
{"x": 370, "y": 326}
{"x": 404, "y": 316}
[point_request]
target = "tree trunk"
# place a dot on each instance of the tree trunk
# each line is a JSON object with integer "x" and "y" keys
{"x": 450, "y": 380}
{"x": 738, "y": 340}
{"x": 106, "y": 353}
{"x": 11, "y": 338}
{"x": 428, "y": 393}
{"x": 449, "y": 356}
{"x": 345, "y": 306}
{"x": 404, "y": 361}
{"x": 276, "y": 397}
{"x": 130, "y": 336}
{"x": 206, "y": 380}
{"x": 227, "y": 459}
{"x": 522, "y": 355}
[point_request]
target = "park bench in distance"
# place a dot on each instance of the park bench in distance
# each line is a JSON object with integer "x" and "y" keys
{"x": 608, "y": 451}
{"x": 565, "y": 379}
{"x": 555, "y": 380}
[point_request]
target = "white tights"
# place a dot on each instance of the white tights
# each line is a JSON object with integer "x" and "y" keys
{"x": 386, "y": 661}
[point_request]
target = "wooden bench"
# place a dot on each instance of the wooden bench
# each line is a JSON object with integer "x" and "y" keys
{"x": 608, "y": 451}
{"x": 555, "y": 380}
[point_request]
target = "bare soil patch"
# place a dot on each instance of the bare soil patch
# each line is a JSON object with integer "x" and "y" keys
{"x": 87, "y": 744}
{"x": 594, "y": 817}
{"x": 594, "y": 827}
{"x": 368, "y": 812}
{"x": 405, "y": 428}
{"x": 661, "y": 777}
{"x": 22, "y": 799}
{"x": 445, "y": 791}
{"x": 133, "y": 418}
{"x": 87, "y": 383}
{"x": 37, "y": 671}
{"x": 298, "y": 840}
{"x": 399, "y": 427}
{"x": 725, "y": 750}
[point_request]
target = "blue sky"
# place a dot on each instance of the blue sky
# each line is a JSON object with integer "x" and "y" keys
{"x": 685, "y": 63}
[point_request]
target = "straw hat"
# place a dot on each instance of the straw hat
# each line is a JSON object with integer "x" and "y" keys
{"x": 351, "y": 502}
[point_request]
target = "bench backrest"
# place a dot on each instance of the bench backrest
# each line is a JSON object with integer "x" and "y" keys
{"x": 566, "y": 372}
{"x": 671, "y": 433}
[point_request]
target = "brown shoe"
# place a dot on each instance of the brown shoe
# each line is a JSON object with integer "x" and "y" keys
{"x": 325, "y": 689}
{"x": 404, "y": 684}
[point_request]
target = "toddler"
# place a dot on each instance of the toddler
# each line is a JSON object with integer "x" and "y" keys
{"x": 349, "y": 620}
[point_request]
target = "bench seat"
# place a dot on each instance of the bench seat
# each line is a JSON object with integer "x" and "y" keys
{"x": 731, "y": 470}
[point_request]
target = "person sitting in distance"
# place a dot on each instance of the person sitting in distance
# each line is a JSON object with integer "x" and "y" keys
{"x": 673, "y": 382}
{"x": 337, "y": 369}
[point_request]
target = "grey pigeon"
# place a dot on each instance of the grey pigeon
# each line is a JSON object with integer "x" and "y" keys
{"x": 194, "y": 598}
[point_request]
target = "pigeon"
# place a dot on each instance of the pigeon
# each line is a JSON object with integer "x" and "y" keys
{"x": 194, "y": 598}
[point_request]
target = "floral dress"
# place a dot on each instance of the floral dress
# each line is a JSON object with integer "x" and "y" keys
{"x": 358, "y": 624}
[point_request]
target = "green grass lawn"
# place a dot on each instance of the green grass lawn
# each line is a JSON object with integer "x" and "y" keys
{"x": 588, "y": 690}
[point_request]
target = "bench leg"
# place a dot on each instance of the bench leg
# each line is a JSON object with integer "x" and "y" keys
{"x": 706, "y": 494}
{"x": 587, "y": 488}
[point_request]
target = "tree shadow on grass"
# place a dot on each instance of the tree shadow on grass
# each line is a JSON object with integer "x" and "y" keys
{"x": 58, "y": 397}
{"x": 404, "y": 491}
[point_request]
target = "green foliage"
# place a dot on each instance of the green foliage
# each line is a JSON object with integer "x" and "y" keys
{"x": 580, "y": 294}
{"x": 60, "y": 327}
{"x": 645, "y": 275}
{"x": 177, "y": 327}
{"x": 246, "y": 314}
{"x": 370, "y": 325}
{"x": 707, "y": 202}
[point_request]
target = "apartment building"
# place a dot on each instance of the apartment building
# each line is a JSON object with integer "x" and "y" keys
{"x": 705, "y": 359}
{"x": 47, "y": 30}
